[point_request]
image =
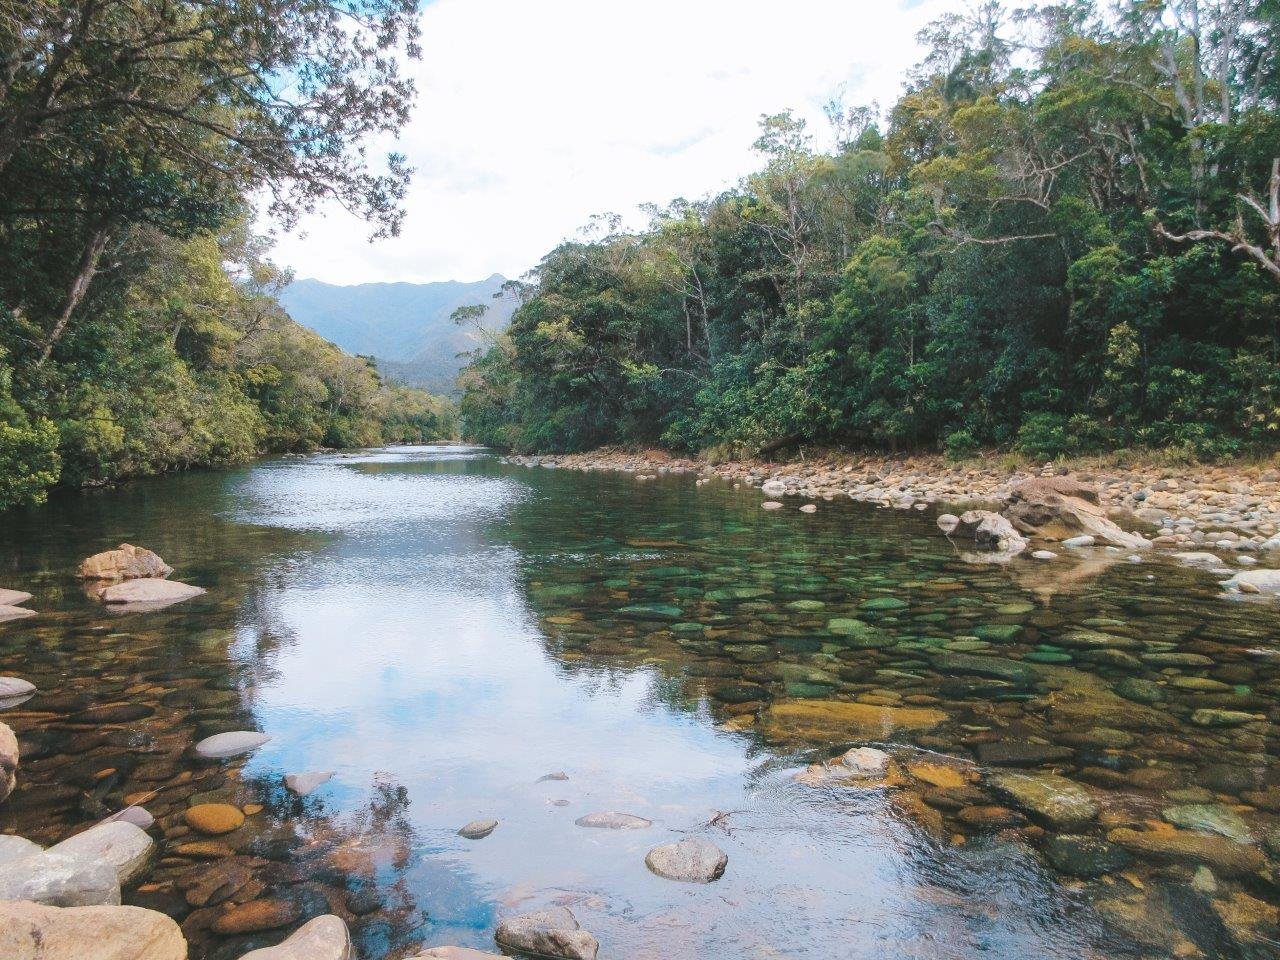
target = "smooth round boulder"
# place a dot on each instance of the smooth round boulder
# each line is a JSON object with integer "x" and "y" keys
{"x": 478, "y": 829}
{"x": 213, "y": 819}
{"x": 147, "y": 594}
{"x": 611, "y": 820}
{"x": 324, "y": 938}
{"x": 221, "y": 746}
{"x": 15, "y": 687}
{"x": 29, "y": 930}
{"x": 691, "y": 860}
{"x": 13, "y": 598}
{"x": 551, "y": 933}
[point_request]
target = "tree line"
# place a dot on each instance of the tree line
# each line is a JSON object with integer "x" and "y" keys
{"x": 1063, "y": 237}
{"x": 139, "y": 325}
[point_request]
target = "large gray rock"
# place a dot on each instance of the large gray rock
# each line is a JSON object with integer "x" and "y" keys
{"x": 8, "y": 761}
{"x": 124, "y": 846}
{"x": 149, "y": 594}
{"x": 17, "y": 848}
{"x": 611, "y": 820}
{"x": 231, "y": 744}
{"x": 548, "y": 933}
{"x": 324, "y": 938}
{"x": 1061, "y": 508}
{"x": 126, "y": 562}
{"x": 59, "y": 880}
{"x": 691, "y": 860}
{"x": 990, "y": 531}
{"x": 29, "y": 931}
{"x": 13, "y": 598}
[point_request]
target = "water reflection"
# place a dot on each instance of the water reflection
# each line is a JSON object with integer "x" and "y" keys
{"x": 440, "y": 631}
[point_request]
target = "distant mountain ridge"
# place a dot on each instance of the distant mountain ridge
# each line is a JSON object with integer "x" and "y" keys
{"x": 405, "y": 326}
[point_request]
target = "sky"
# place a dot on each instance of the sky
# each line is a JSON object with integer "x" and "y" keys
{"x": 534, "y": 115}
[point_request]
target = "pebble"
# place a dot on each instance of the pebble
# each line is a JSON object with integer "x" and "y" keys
{"x": 478, "y": 829}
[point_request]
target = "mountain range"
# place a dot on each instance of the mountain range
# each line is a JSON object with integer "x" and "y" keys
{"x": 406, "y": 327}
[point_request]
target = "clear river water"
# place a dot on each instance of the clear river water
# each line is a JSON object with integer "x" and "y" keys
{"x": 1083, "y": 753}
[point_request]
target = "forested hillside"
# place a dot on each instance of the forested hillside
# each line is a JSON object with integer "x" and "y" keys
{"x": 1064, "y": 236}
{"x": 408, "y": 328}
{"x": 139, "y": 325}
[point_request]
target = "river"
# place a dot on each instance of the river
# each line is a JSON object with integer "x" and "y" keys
{"x": 442, "y": 631}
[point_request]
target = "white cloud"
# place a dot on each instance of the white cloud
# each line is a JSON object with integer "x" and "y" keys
{"x": 535, "y": 114}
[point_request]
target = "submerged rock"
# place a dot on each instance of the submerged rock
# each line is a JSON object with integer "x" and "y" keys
{"x": 223, "y": 745}
{"x": 147, "y": 594}
{"x": 214, "y": 819}
{"x": 1224, "y": 856}
{"x": 691, "y": 860}
{"x": 1209, "y": 818}
{"x": 553, "y": 933}
{"x": 1055, "y": 801}
{"x": 1086, "y": 857}
{"x": 478, "y": 829}
{"x": 324, "y": 938}
{"x": 29, "y": 931}
{"x": 126, "y": 562}
{"x": 304, "y": 784}
{"x": 610, "y": 820}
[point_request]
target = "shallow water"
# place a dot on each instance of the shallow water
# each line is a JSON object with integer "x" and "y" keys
{"x": 441, "y": 630}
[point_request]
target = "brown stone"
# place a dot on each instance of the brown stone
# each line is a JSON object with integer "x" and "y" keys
{"x": 1225, "y": 857}
{"x": 256, "y": 915}
{"x": 214, "y": 818}
{"x": 126, "y": 562}
{"x": 990, "y": 818}
{"x": 1060, "y": 507}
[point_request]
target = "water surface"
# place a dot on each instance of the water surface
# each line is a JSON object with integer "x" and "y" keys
{"x": 442, "y": 630}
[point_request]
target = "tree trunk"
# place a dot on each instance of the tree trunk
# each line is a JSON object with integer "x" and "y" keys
{"x": 79, "y": 286}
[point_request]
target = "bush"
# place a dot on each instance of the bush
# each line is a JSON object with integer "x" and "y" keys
{"x": 959, "y": 444}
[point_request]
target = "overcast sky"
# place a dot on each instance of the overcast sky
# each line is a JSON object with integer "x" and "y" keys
{"x": 533, "y": 115}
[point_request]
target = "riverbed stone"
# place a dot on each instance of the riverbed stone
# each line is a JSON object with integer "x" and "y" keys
{"x": 1225, "y": 857}
{"x": 611, "y": 820}
{"x": 324, "y": 938}
{"x": 478, "y": 829}
{"x": 11, "y": 687}
{"x": 691, "y": 860}
{"x": 1021, "y": 753}
{"x": 30, "y": 931}
{"x": 553, "y": 933}
{"x": 998, "y": 668}
{"x": 126, "y": 847}
{"x": 256, "y": 915}
{"x": 233, "y": 743}
{"x": 1083, "y": 856}
{"x": 13, "y": 598}
{"x": 9, "y": 612}
{"x": 147, "y": 594}
{"x": 1053, "y": 800}
{"x": 213, "y": 819}
{"x": 59, "y": 879}
{"x": 1064, "y": 508}
{"x": 456, "y": 953}
{"x": 1209, "y": 818}
{"x": 839, "y": 719}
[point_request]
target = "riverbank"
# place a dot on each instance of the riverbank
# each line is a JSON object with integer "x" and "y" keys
{"x": 1231, "y": 507}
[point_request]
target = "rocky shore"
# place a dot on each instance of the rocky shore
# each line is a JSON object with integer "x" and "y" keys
{"x": 1233, "y": 508}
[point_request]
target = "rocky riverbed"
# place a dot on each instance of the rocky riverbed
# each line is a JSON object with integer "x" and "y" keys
{"x": 1226, "y": 508}
{"x": 713, "y": 731}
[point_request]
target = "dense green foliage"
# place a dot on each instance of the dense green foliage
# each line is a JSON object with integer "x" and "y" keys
{"x": 139, "y": 326}
{"x": 1062, "y": 237}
